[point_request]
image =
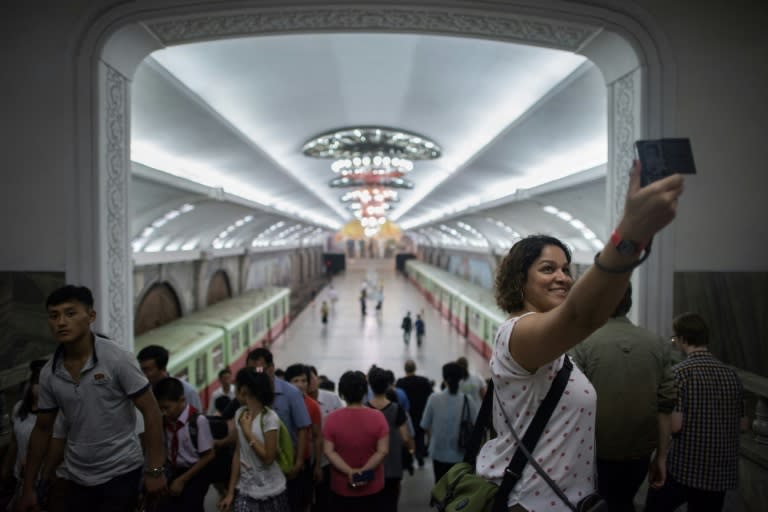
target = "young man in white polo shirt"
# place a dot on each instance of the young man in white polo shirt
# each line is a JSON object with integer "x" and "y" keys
{"x": 97, "y": 385}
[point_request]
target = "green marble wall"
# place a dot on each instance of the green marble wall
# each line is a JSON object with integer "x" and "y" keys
{"x": 735, "y": 304}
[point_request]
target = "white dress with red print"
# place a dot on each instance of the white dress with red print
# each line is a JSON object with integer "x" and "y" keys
{"x": 566, "y": 448}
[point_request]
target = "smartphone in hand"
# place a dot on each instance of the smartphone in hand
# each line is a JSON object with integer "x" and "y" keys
{"x": 663, "y": 157}
{"x": 362, "y": 478}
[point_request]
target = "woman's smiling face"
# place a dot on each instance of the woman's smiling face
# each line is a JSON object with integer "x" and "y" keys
{"x": 549, "y": 280}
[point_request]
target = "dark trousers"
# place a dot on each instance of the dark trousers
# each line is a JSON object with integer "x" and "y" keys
{"x": 323, "y": 492}
{"x": 618, "y": 482}
{"x": 370, "y": 503}
{"x": 418, "y": 438}
{"x": 300, "y": 489}
{"x": 674, "y": 494}
{"x": 441, "y": 468}
{"x": 390, "y": 495}
{"x": 117, "y": 495}
{"x": 192, "y": 498}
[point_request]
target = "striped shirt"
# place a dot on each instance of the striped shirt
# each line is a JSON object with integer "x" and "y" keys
{"x": 705, "y": 453}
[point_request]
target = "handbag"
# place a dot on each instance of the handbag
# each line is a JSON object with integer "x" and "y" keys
{"x": 460, "y": 489}
{"x": 466, "y": 425}
{"x": 590, "y": 503}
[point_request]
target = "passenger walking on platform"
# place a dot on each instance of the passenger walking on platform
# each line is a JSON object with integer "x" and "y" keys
{"x": 362, "y": 302}
{"x": 324, "y": 312}
{"x": 356, "y": 440}
{"x": 407, "y": 325}
{"x": 379, "y": 298}
{"x": 549, "y": 315}
{"x": 329, "y": 402}
{"x": 418, "y": 389}
{"x": 702, "y": 462}
{"x": 420, "y": 330}
{"x": 257, "y": 483}
{"x": 289, "y": 406}
{"x": 153, "y": 360}
{"x": 399, "y": 437}
{"x": 471, "y": 384}
{"x": 442, "y": 418}
{"x": 97, "y": 385}
{"x": 189, "y": 448}
{"x": 630, "y": 369}
{"x": 23, "y": 417}
{"x": 227, "y": 389}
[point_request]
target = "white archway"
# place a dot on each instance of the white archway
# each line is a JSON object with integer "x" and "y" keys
{"x": 620, "y": 42}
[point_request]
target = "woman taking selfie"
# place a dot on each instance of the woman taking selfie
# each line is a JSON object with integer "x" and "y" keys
{"x": 549, "y": 314}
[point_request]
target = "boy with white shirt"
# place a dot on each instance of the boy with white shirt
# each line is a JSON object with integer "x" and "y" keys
{"x": 188, "y": 450}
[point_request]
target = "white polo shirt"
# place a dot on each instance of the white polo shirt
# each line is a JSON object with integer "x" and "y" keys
{"x": 101, "y": 442}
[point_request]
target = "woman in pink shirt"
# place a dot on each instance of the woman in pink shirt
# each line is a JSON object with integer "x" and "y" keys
{"x": 356, "y": 440}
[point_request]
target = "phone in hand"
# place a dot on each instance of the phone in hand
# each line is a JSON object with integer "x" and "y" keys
{"x": 362, "y": 478}
{"x": 663, "y": 157}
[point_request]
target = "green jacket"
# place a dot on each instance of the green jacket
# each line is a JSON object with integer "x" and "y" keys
{"x": 630, "y": 369}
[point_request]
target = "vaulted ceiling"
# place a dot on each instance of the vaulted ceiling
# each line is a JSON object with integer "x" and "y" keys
{"x": 218, "y": 130}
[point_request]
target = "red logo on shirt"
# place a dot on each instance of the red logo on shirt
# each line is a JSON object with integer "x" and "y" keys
{"x": 99, "y": 376}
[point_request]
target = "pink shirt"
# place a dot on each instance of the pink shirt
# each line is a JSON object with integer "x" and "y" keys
{"x": 355, "y": 433}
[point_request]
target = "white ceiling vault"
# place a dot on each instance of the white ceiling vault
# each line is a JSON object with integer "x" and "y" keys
{"x": 218, "y": 130}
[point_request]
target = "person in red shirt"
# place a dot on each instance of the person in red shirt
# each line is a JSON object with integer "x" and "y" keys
{"x": 298, "y": 375}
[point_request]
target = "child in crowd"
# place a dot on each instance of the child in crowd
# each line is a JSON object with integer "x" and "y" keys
{"x": 257, "y": 483}
{"x": 188, "y": 450}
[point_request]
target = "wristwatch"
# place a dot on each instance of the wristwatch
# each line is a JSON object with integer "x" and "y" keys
{"x": 155, "y": 472}
{"x": 625, "y": 247}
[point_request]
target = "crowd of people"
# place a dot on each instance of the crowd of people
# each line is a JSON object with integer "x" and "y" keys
{"x": 102, "y": 429}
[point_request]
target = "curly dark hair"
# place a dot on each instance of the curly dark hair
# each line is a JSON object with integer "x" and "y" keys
{"x": 512, "y": 272}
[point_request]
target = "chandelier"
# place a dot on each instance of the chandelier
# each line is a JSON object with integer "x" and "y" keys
{"x": 374, "y": 161}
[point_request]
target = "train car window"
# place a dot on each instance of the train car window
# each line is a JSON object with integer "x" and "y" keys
{"x": 247, "y": 333}
{"x": 200, "y": 371}
{"x": 217, "y": 357}
{"x": 235, "y": 339}
{"x": 258, "y": 326}
{"x": 276, "y": 311}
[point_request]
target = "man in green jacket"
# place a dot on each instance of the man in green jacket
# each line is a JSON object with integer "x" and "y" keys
{"x": 630, "y": 369}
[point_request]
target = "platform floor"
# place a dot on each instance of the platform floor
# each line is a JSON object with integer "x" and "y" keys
{"x": 351, "y": 341}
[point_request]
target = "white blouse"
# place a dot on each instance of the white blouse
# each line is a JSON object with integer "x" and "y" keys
{"x": 566, "y": 449}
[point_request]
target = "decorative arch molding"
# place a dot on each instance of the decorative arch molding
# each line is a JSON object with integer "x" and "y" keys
{"x": 119, "y": 38}
{"x": 219, "y": 287}
{"x": 159, "y": 305}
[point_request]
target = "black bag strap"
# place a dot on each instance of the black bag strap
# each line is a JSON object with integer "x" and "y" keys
{"x": 532, "y": 434}
{"x": 192, "y": 427}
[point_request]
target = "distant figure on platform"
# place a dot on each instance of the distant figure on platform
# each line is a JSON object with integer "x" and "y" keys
{"x": 324, "y": 312}
{"x": 702, "y": 462}
{"x": 407, "y": 325}
{"x": 362, "y": 302}
{"x": 379, "y": 298}
{"x": 420, "y": 329}
{"x": 333, "y": 295}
